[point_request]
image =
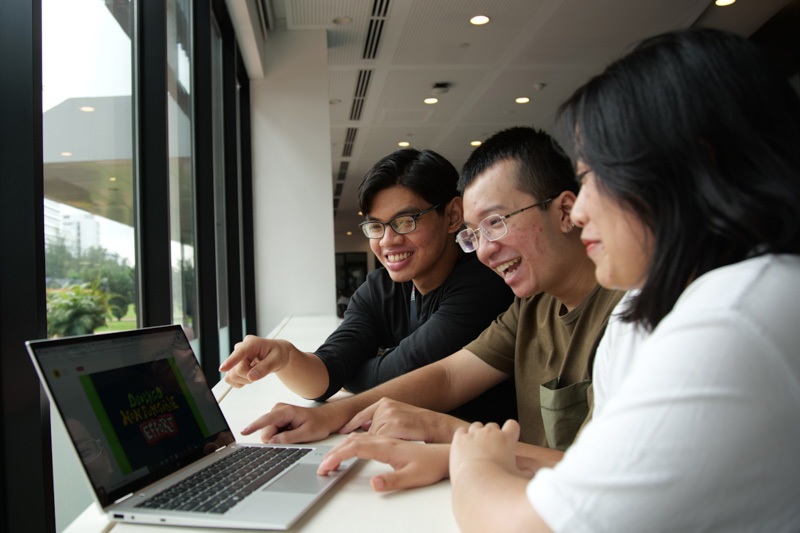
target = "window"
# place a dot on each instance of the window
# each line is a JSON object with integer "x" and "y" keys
{"x": 181, "y": 177}
{"x": 88, "y": 167}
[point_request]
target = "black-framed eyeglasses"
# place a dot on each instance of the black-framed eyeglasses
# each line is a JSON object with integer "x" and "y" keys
{"x": 492, "y": 227}
{"x": 401, "y": 224}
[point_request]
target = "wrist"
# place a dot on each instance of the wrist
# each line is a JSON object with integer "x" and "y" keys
{"x": 447, "y": 427}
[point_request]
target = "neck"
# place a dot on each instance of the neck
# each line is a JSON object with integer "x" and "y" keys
{"x": 576, "y": 286}
{"x": 443, "y": 268}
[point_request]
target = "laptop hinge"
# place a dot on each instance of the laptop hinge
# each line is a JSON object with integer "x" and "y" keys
{"x": 120, "y": 500}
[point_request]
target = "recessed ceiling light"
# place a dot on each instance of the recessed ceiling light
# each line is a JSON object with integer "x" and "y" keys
{"x": 349, "y": 232}
{"x": 475, "y": 143}
{"x": 112, "y": 178}
{"x": 342, "y": 21}
{"x": 431, "y": 100}
{"x": 86, "y": 109}
{"x": 66, "y": 154}
{"x": 522, "y": 100}
{"x": 723, "y": 3}
{"x": 404, "y": 144}
{"x": 479, "y": 20}
{"x": 360, "y": 214}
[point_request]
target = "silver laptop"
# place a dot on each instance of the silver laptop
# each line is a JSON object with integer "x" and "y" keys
{"x": 154, "y": 444}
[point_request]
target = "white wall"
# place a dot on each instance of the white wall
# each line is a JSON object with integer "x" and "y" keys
{"x": 292, "y": 181}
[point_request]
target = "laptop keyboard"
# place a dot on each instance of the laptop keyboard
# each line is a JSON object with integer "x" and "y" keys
{"x": 220, "y": 486}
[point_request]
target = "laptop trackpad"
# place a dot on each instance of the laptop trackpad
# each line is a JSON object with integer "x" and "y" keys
{"x": 301, "y": 478}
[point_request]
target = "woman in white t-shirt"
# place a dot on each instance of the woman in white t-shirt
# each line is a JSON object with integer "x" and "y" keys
{"x": 688, "y": 151}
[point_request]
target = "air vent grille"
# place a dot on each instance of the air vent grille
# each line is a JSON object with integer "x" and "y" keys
{"x": 373, "y": 39}
{"x": 343, "y": 170}
{"x": 362, "y": 85}
{"x": 349, "y": 139}
{"x": 338, "y": 190}
{"x": 380, "y": 8}
{"x": 375, "y": 31}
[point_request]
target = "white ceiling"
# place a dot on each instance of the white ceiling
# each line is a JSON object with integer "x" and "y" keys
{"x": 558, "y": 43}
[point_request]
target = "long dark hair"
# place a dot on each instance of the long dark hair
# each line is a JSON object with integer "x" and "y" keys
{"x": 699, "y": 135}
{"x": 424, "y": 172}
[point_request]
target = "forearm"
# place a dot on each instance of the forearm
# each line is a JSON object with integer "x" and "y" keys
{"x": 425, "y": 387}
{"x": 485, "y": 495}
{"x": 305, "y": 373}
{"x": 531, "y": 458}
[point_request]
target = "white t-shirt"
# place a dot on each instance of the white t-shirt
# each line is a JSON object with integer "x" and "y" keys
{"x": 699, "y": 430}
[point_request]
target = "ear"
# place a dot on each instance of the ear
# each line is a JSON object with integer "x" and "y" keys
{"x": 563, "y": 208}
{"x": 455, "y": 214}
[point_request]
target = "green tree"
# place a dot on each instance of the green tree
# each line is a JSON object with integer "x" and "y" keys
{"x": 113, "y": 275}
{"x": 76, "y": 310}
{"x": 59, "y": 262}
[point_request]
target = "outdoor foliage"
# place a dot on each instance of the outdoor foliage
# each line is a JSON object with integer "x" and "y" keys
{"x": 76, "y": 310}
{"x": 85, "y": 289}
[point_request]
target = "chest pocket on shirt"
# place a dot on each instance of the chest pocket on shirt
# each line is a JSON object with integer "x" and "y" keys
{"x": 563, "y": 411}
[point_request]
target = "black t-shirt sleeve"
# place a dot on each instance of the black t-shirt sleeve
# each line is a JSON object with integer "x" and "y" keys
{"x": 362, "y": 332}
{"x": 457, "y": 313}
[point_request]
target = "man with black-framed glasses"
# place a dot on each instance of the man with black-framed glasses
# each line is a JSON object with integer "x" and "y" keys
{"x": 428, "y": 301}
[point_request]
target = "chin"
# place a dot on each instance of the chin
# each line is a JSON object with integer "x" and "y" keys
{"x": 399, "y": 277}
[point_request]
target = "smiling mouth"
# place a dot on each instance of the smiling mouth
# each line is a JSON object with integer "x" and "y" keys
{"x": 508, "y": 268}
{"x": 396, "y": 258}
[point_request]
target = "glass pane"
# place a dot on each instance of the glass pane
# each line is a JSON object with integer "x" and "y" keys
{"x": 181, "y": 182}
{"x": 88, "y": 177}
{"x": 217, "y": 117}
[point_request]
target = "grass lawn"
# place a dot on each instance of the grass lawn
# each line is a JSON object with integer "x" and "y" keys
{"x": 128, "y": 322}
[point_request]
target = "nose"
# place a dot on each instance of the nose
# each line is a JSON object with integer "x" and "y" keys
{"x": 486, "y": 249}
{"x": 390, "y": 236}
{"x": 578, "y": 215}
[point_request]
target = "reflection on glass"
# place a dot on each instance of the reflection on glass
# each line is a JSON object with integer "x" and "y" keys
{"x": 217, "y": 118}
{"x": 181, "y": 183}
{"x": 88, "y": 176}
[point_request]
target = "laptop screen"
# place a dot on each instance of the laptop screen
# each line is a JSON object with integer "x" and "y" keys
{"x": 136, "y": 405}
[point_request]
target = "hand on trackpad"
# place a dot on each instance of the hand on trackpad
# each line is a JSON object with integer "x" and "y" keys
{"x": 301, "y": 478}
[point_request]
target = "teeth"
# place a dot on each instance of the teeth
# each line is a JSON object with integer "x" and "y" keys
{"x": 394, "y": 258}
{"x": 505, "y": 266}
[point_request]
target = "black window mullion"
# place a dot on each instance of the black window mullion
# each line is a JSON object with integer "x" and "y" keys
{"x": 151, "y": 165}
{"x": 232, "y": 191}
{"x": 246, "y": 203}
{"x": 26, "y": 471}
{"x": 203, "y": 167}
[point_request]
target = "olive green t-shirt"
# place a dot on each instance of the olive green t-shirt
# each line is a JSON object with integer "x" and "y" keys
{"x": 537, "y": 341}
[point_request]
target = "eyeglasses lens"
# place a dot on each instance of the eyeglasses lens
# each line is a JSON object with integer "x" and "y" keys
{"x": 493, "y": 227}
{"x": 403, "y": 225}
{"x": 467, "y": 240}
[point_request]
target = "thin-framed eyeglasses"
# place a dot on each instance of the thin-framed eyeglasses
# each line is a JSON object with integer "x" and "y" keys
{"x": 492, "y": 227}
{"x": 401, "y": 224}
{"x": 90, "y": 449}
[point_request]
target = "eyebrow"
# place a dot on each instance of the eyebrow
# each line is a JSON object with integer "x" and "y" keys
{"x": 491, "y": 210}
{"x": 408, "y": 210}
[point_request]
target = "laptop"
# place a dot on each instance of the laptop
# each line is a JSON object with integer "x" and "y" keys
{"x": 154, "y": 444}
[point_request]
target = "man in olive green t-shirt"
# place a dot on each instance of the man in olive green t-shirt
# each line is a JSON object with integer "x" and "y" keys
{"x": 518, "y": 191}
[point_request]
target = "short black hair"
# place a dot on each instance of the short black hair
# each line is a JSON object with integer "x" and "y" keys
{"x": 424, "y": 172}
{"x": 699, "y": 135}
{"x": 544, "y": 170}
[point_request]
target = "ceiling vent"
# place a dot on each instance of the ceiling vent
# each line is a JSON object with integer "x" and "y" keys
{"x": 349, "y": 139}
{"x": 376, "y": 22}
{"x": 362, "y": 85}
{"x": 343, "y": 170}
{"x": 338, "y": 191}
